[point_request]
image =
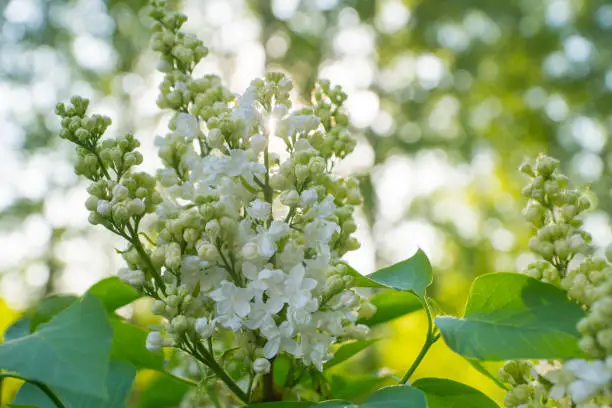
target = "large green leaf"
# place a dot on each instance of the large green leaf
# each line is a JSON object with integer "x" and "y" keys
{"x": 413, "y": 274}
{"x": 18, "y": 329}
{"x": 44, "y": 311}
{"x": 444, "y": 393}
{"x": 118, "y": 382}
{"x": 282, "y": 364}
{"x": 399, "y": 396}
{"x": 488, "y": 371}
{"x": 129, "y": 344}
{"x": 283, "y": 404}
{"x": 113, "y": 293}
{"x": 71, "y": 352}
{"x": 357, "y": 387}
{"x": 48, "y": 308}
{"x": 348, "y": 350}
{"x": 335, "y": 404}
{"x": 165, "y": 391}
{"x": 391, "y": 304}
{"x": 512, "y": 316}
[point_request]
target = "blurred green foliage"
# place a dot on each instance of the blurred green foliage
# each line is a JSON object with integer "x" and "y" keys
{"x": 465, "y": 90}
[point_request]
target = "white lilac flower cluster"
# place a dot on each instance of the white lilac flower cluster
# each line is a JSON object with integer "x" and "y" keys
{"x": 554, "y": 209}
{"x": 251, "y": 223}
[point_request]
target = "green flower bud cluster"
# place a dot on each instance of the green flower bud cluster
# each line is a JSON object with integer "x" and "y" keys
{"x": 84, "y": 131}
{"x": 211, "y": 97}
{"x": 119, "y": 197}
{"x": 305, "y": 175}
{"x": 587, "y": 281}
{"x": 327, "y": 103}
{"x": 273, "y": 91}
{"x": 516, "y": 372}
{"x": 596, "y": 327}
{"x": 544, "y": 271}
{"x": 337, "y": 281}
{"x": 528, "y": 389}
{"x": 555, "y": 211}
{"x": 180, "y": 53}
{"x": 117, "y": 204}
{"x": 525, "y": 389}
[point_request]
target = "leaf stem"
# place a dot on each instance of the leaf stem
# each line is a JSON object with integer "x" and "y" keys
{"x": 268, "y": 384}
{"x": 135, "y": 241}
{"x": 199, "y": 351}
{"x": 267, "y": 190}
{"x": 43, "y": 387}
{"x": 482, "y": 370}
{"x": 250, "y": 387}
{"x": 431, "y": 338}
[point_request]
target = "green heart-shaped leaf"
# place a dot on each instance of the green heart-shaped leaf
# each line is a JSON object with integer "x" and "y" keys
{"x": 348, "y": 350}
{"x": 113, "y": 293}
{"x": 129, "y": 344}
{"x": 413, "y": 275}
{"x": 282, "y": 404}
{"x": 118, "y": 382}
{"x": 391, "y": 304}
{"x": 512, "y": 316}
{"x": 165, "y": 391}
{"x": 398, "y": 396}
{"x": 357, "y": 387}
{"x": 18, "y": 329}
{"x": 444, "y": 393}
{"x": 48, "y": 308}
{"x": 70, "y": 352}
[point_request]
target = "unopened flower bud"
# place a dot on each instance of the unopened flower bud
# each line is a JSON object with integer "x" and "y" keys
{"x": 228, "y": 225}
{"x": 290, "y": 198}
{"x": 179, "y": 324}
{"x": 155, "y": 341}
{"x": 334, "y": 284}
{"x": 359, "y": 331}
{"x": 103, "y": 208}
{"x": 367, "y": 310}
{"x": 258, "y": 143}
{"x": 526, "y": 168}
{"x": 250, "y": 251}
{"x": 609, "y": 253}
{"x": 583, "y": 203}
{"x": 301, "y": 172}
{"x": 136, "y": 207}
{"x": 206, "y": 250}
{"x": 215, "y": 138}
{"x": 92, "y": 203}
{"x": 120, "y": 213}
{"x": 134, "y": 278}
{"x": 120, "y": 192}
{"x": 261, "y": 366}
{"x": 173, "y": 301}
{"x": 213, "y": 228}
{"x": 204, "y": 327}
{"x": 604, "y": 338}
{"x": 546, "y": 165}
{"x": 158, "y": 307}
